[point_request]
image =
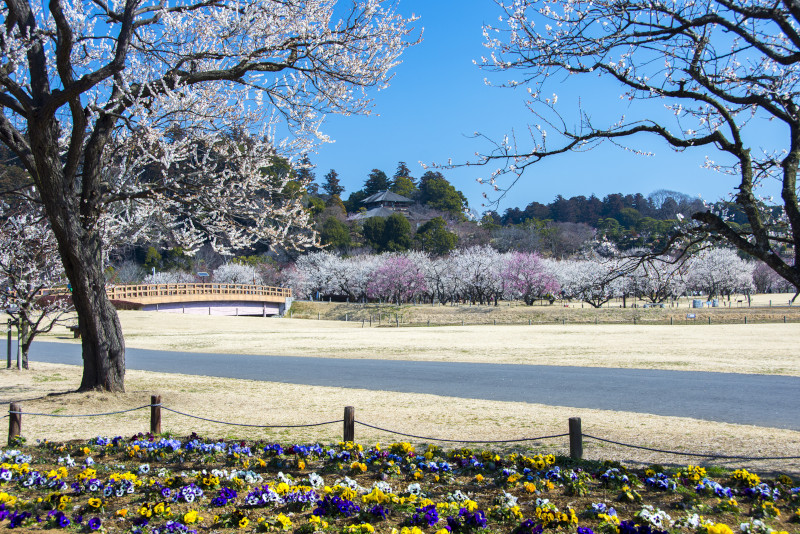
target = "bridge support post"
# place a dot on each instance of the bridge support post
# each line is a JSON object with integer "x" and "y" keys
{"x": 286, "y": 306}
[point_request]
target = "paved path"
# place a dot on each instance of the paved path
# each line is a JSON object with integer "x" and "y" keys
{"x": 770, "y": 401}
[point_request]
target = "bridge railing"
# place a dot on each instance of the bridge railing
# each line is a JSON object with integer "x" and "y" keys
{"x": 125, "y": 292}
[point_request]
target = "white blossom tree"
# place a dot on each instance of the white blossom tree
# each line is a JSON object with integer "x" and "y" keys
{"x": 720, "y": 68}
{"x": 138, "y": 107}
{"x": 351, "y": 276}
{"x": 720, "y": 272}
{"x": 312, "y": 274}
{"x": 29, "y": 263}
{"x": 477, "y": 270}
{"x": 441, "y": 280}
{"x": 594, "y": 281}
{"x": 657, "y": 278}
{"x": 169, "y": 277}
{"x": 236, "y": 273}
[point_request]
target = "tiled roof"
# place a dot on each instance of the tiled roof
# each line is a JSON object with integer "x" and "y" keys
{"x": 385, "y": 196}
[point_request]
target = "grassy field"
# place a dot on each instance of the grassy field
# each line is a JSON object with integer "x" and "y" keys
{"x": 773, "y": 308}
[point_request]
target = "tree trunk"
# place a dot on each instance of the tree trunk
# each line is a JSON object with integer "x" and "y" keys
{"x": 25, "y": 339}
{"x": 80, "y": 247}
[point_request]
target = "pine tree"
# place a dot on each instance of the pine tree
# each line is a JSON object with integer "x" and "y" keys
{"x": 331, "y": 185}
{"x": 376, "y": 182}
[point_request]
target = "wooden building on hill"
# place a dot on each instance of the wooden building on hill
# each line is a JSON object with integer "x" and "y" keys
{"x": 383, "y": 204}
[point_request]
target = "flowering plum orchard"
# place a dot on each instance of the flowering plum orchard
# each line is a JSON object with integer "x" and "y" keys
{"x": 723, "y": 70}
{"x": 483, "y": 275}
{"x": 167, "y": 110}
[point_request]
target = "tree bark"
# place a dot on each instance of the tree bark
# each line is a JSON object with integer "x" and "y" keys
{"x": 101, "y": 333}
{"x": 73, "y": 219}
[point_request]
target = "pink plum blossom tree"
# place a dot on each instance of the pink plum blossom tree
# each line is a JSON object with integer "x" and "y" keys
{"x": 396, "y": 279}
{"x": 528, "y": 279}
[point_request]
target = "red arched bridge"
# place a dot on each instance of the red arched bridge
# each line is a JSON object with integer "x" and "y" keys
{"x": 204, "y": 299}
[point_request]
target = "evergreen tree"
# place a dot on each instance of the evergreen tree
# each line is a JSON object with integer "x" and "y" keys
{"x": 402, "y": 182}
{"x": 335, "y": 233}
{"x": 434, "y": 237}
{"x": 304, "y": 174}
{"x": 403, "y": 170}
{"x": 376, "y": 182}
{"x": 372, "y": 230}
{"x": 396, "y": 234}
{"x": 331, "y": 185}
{"x": 353, "y": 203}
{"x": 391, "y": 234}
{"x": 403, "y": 185}
{"x": 439, "y": 194}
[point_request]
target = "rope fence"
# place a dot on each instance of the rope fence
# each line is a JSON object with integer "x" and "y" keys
{"x": 575, "y": 434}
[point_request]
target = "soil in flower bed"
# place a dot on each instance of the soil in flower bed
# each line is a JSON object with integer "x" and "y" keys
{"x": 162, "y": 484}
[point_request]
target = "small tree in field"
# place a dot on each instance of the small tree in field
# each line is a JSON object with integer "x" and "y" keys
{"x": 720, "y": 68}
{"x": 527, "y": 278}
{"x": 397, "y": 279}
{"x": 593, "y": 281}
{"x": 658, "y": 279}
{"x": 29, "y": 262}
{"x": 166, "y": 110}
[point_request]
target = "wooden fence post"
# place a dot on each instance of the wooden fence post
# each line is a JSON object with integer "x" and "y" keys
{"x": 349, "y": 423}
{"x": 14, "y": 421}
{"x": 155, "y": 414}
{"x": 575, "y": 438}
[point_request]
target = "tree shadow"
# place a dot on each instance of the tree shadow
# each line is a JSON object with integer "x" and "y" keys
{"x": 40, "y": 397}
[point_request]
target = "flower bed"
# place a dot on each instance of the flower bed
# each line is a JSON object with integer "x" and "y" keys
{"x": 164, "y": 485}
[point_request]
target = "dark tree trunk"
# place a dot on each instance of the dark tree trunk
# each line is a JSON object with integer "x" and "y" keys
{"x": 74, "y": 219}
{"x": 101, "y": 332}
{"x": 25, "y": 340}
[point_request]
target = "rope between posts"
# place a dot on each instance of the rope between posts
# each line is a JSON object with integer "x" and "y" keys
{"x": 459, "y": 440}
{"x": 699, "y": 455}
{"x": 253, "y": 426}
{"x": 81, "y": 414}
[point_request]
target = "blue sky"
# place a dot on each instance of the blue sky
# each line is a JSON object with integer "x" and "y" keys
{"x": 438, "y": 100}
